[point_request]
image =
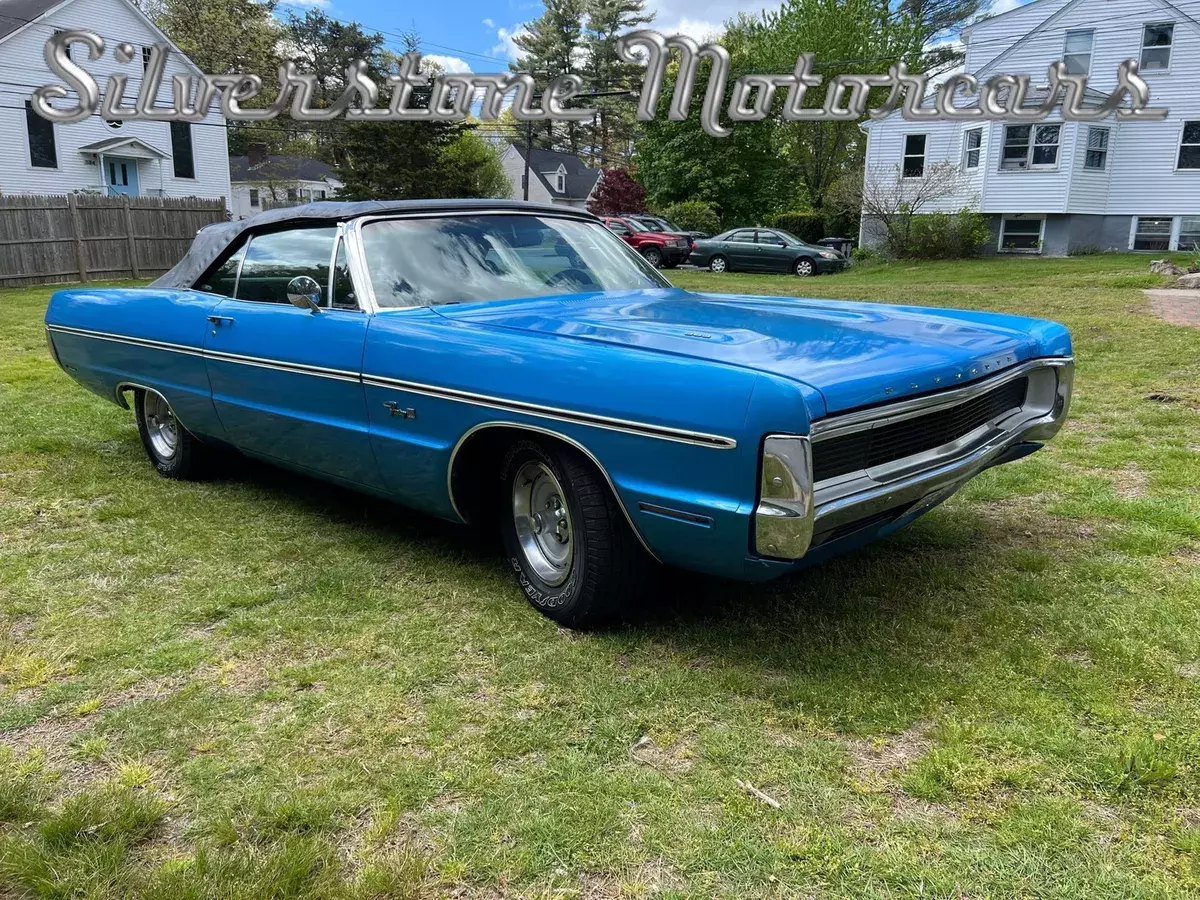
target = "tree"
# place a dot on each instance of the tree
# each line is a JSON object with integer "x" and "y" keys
{"x": 323, "y": 47}
{"x": 891, "y": 204}
{"x": 222, "y": 36}
{"x": 472, "y": 168}
{"x": 552, "y": 46}
{"x": 610, "y": 135}
{"x": 617, "y": 193}
{"x": 693, "y": 215}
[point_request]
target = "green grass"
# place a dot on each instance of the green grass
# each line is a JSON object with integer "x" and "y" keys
{"x": 264, "y": 687}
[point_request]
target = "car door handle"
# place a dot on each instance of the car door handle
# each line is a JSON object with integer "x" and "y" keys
{"x": 218, "y": 321}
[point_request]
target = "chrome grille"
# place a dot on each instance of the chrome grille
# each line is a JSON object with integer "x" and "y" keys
{"x": 897, "y": 440}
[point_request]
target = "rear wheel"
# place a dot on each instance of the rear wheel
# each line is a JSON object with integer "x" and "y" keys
{"x": 718, "y": 264}
{"x": 171, "y": 448}
{"x": 574, "y": 556}
{"x": 653, "y": 256}
{"x": 804, "y": 268}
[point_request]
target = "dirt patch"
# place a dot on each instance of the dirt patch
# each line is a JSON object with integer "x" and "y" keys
{"x": 673, "y": 759}
{"x": 1081, "y": 658}
{"x": 1176, "y": 307}
{"x": 1188, "y": 670}
{"x": 1130, "y": 482}
{"x": 1105, "y": 821}
{"x": 873, "y": 759}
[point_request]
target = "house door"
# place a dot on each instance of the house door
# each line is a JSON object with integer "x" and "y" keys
{"x": 121, "y": 175}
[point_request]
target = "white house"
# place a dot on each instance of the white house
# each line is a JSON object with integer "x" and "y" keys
{"x": 556, "y": 178}
{"x": 159, "y": 159}
{"x": 263, "y": 181}
{"x": 1055, "y": 187}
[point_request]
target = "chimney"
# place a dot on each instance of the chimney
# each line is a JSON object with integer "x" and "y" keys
{"x": 258, "y": 155}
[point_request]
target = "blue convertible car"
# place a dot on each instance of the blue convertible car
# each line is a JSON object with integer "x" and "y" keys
{"x": 520, "y": 366}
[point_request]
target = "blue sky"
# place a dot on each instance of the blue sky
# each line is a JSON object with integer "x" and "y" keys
{"x": 476, "y": 35}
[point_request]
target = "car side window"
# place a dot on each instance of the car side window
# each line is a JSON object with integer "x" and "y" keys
{"x": 770, "y": 238}
{"x": 343, "y": 286}
{"x": 273, "y": 260}
{"x": 742, "y": 237}
{"x": 223, "y": 280}
{"x": 618, "y": 228}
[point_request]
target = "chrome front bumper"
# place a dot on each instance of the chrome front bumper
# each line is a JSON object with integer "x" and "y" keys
{"x": 793, "y": 513}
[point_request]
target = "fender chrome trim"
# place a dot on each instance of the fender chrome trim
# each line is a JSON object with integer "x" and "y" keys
{"x": 643, "y": 429}
{"x": 626, "y": 426}
{"x": 521, "y": 426}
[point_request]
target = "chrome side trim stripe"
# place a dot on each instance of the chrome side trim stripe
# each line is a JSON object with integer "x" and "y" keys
{"x": 642, "y": 429}
{"x": 562, "y": 415}
{"x": 125, "y": 339}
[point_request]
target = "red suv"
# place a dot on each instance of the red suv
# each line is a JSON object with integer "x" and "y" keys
{"x": 661, "y": 250}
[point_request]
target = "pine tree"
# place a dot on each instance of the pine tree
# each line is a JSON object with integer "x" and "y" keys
{"x": 611, "y": 132}
{"x": 553, "y": 46}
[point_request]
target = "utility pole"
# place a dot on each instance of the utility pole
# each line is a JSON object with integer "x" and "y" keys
{"x": 528, "y": 151}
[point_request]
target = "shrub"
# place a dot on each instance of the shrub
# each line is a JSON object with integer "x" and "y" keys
{"x": 945, "y": 236}
{"x": 693, "y": 215}
{"x": 808, "y": 226}
{"x": 864, "y": 254}
{"x": 1084, "y": 250}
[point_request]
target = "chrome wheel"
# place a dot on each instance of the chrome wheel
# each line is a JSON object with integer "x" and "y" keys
{"x": 804, "y": 268}
{"x": 161, "y": 426}
{"x": 717, "y": 264}
{"x": 543, "y": 523}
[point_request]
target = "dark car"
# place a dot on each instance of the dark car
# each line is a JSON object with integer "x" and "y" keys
{"x": 661, "y": 250}
{"x": 658, "y": 223}
{"x": 765, "y": 250}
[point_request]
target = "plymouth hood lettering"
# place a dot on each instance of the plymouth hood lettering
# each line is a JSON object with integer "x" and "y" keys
{"x": 853, "y": 354}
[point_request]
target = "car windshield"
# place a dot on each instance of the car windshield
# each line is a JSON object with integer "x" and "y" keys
{"x": 472, "y": 259}
{"x": 644, "y": 224}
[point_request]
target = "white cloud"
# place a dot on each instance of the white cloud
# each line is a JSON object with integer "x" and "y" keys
{"x": 489, "y": 24}
{"x": 308, "y": 4}
{"x": 1003, "y": 6}
{"x": 451, "y": 65}
{"x": 702, "y": 19}
{"x": 506, "y": 47}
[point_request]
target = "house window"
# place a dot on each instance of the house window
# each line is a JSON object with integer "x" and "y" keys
{"x": 1152, "y": 234}
{"x": 291, "y": 195}
{"x": 1021, "y": 235}
{"x": 1097, "y": 148}
{"x": 181, "y": 150}
{"x": 43, "y": 154}
{"x": 254, "y": 201}
{"x": 1189, "y": 146}
{"x": 1030, "y": 146}
{"x": 914, "y": 156}
{"x": 1156, "y": 47}
{"x": 147, "y": 52}
{"x": 322, "y": 194}
{"x": 560, "y": 181}
{"x": 1077, "y": 52}
{"x": 972, "y": 141}
{"x": 1189, "y": 233}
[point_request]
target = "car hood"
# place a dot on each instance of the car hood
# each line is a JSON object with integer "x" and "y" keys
{"x": 849, "y": 354}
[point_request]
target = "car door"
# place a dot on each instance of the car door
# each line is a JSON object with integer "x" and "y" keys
{"x": 623, "y": 231}
{"x": 286, "y": 381}
{"x": 742, "y": 250}
{"x": 774, "y": 255}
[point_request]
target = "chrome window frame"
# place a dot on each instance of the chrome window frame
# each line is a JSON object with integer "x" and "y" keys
{"x": 361, "y": 274}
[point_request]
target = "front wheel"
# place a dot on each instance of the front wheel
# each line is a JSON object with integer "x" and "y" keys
{"x": 574, "y": 556}
{"x": 170, "y": 446}
{"x": 804, "y": 268}
{"x": 718, "y": 264}
{"x": 653, "y": 256}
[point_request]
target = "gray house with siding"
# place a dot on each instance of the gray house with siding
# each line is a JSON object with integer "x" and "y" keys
{"x": 556, "y": 178}
{"x": 1055, "y": 187}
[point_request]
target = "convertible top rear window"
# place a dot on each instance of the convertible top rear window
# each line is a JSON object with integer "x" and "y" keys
{"x": 471, "y": 259}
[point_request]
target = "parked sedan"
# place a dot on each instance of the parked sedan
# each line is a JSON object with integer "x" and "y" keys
{"x": 516, "y": 367}
{"x": 660, "y": 249}
{"x": 765, "y": 250}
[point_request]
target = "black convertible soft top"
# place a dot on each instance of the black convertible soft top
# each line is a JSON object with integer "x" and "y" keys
{"x": 213, "y": 240}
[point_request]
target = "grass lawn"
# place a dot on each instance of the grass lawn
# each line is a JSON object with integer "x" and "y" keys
{"x": 262, "y": 686}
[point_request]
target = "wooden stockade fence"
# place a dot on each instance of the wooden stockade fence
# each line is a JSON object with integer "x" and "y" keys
{"x": 86, "y": 237}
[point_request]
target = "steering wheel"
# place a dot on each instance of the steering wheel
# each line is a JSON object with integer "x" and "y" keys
{"x": 578, "y": 276}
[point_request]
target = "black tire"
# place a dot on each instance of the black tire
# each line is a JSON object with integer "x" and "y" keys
{"x": 804, "y": 267}
{"x": 653, "y": 256}
{"x": 673, "y": 265}
{"x": 718, "y": 267}
{"x": 608, "y": 566}
{"x": 190, "y": 461}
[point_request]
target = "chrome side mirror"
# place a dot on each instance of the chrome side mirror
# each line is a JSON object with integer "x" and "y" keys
{"x": 304, "y": 293}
